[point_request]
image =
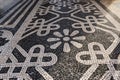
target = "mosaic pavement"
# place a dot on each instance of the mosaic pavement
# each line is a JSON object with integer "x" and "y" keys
{"x": 59, "y": 40}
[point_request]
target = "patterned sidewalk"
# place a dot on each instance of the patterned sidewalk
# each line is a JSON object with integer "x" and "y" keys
{"x": 59, "y": 40}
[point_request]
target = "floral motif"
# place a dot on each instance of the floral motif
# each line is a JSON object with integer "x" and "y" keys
{"x": 66, "y": 38}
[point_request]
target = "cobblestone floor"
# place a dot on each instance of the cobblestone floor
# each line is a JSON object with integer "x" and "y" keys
{"x": 59, "y": 40}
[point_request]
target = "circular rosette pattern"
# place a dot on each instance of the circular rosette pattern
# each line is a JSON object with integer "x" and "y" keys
{"x": 66, "y": 39}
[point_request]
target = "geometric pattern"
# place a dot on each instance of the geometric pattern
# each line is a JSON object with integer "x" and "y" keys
{"x": 59, "y": 40}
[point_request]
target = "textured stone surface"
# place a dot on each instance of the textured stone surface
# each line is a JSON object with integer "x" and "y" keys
{"x": 59, "y": 40}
